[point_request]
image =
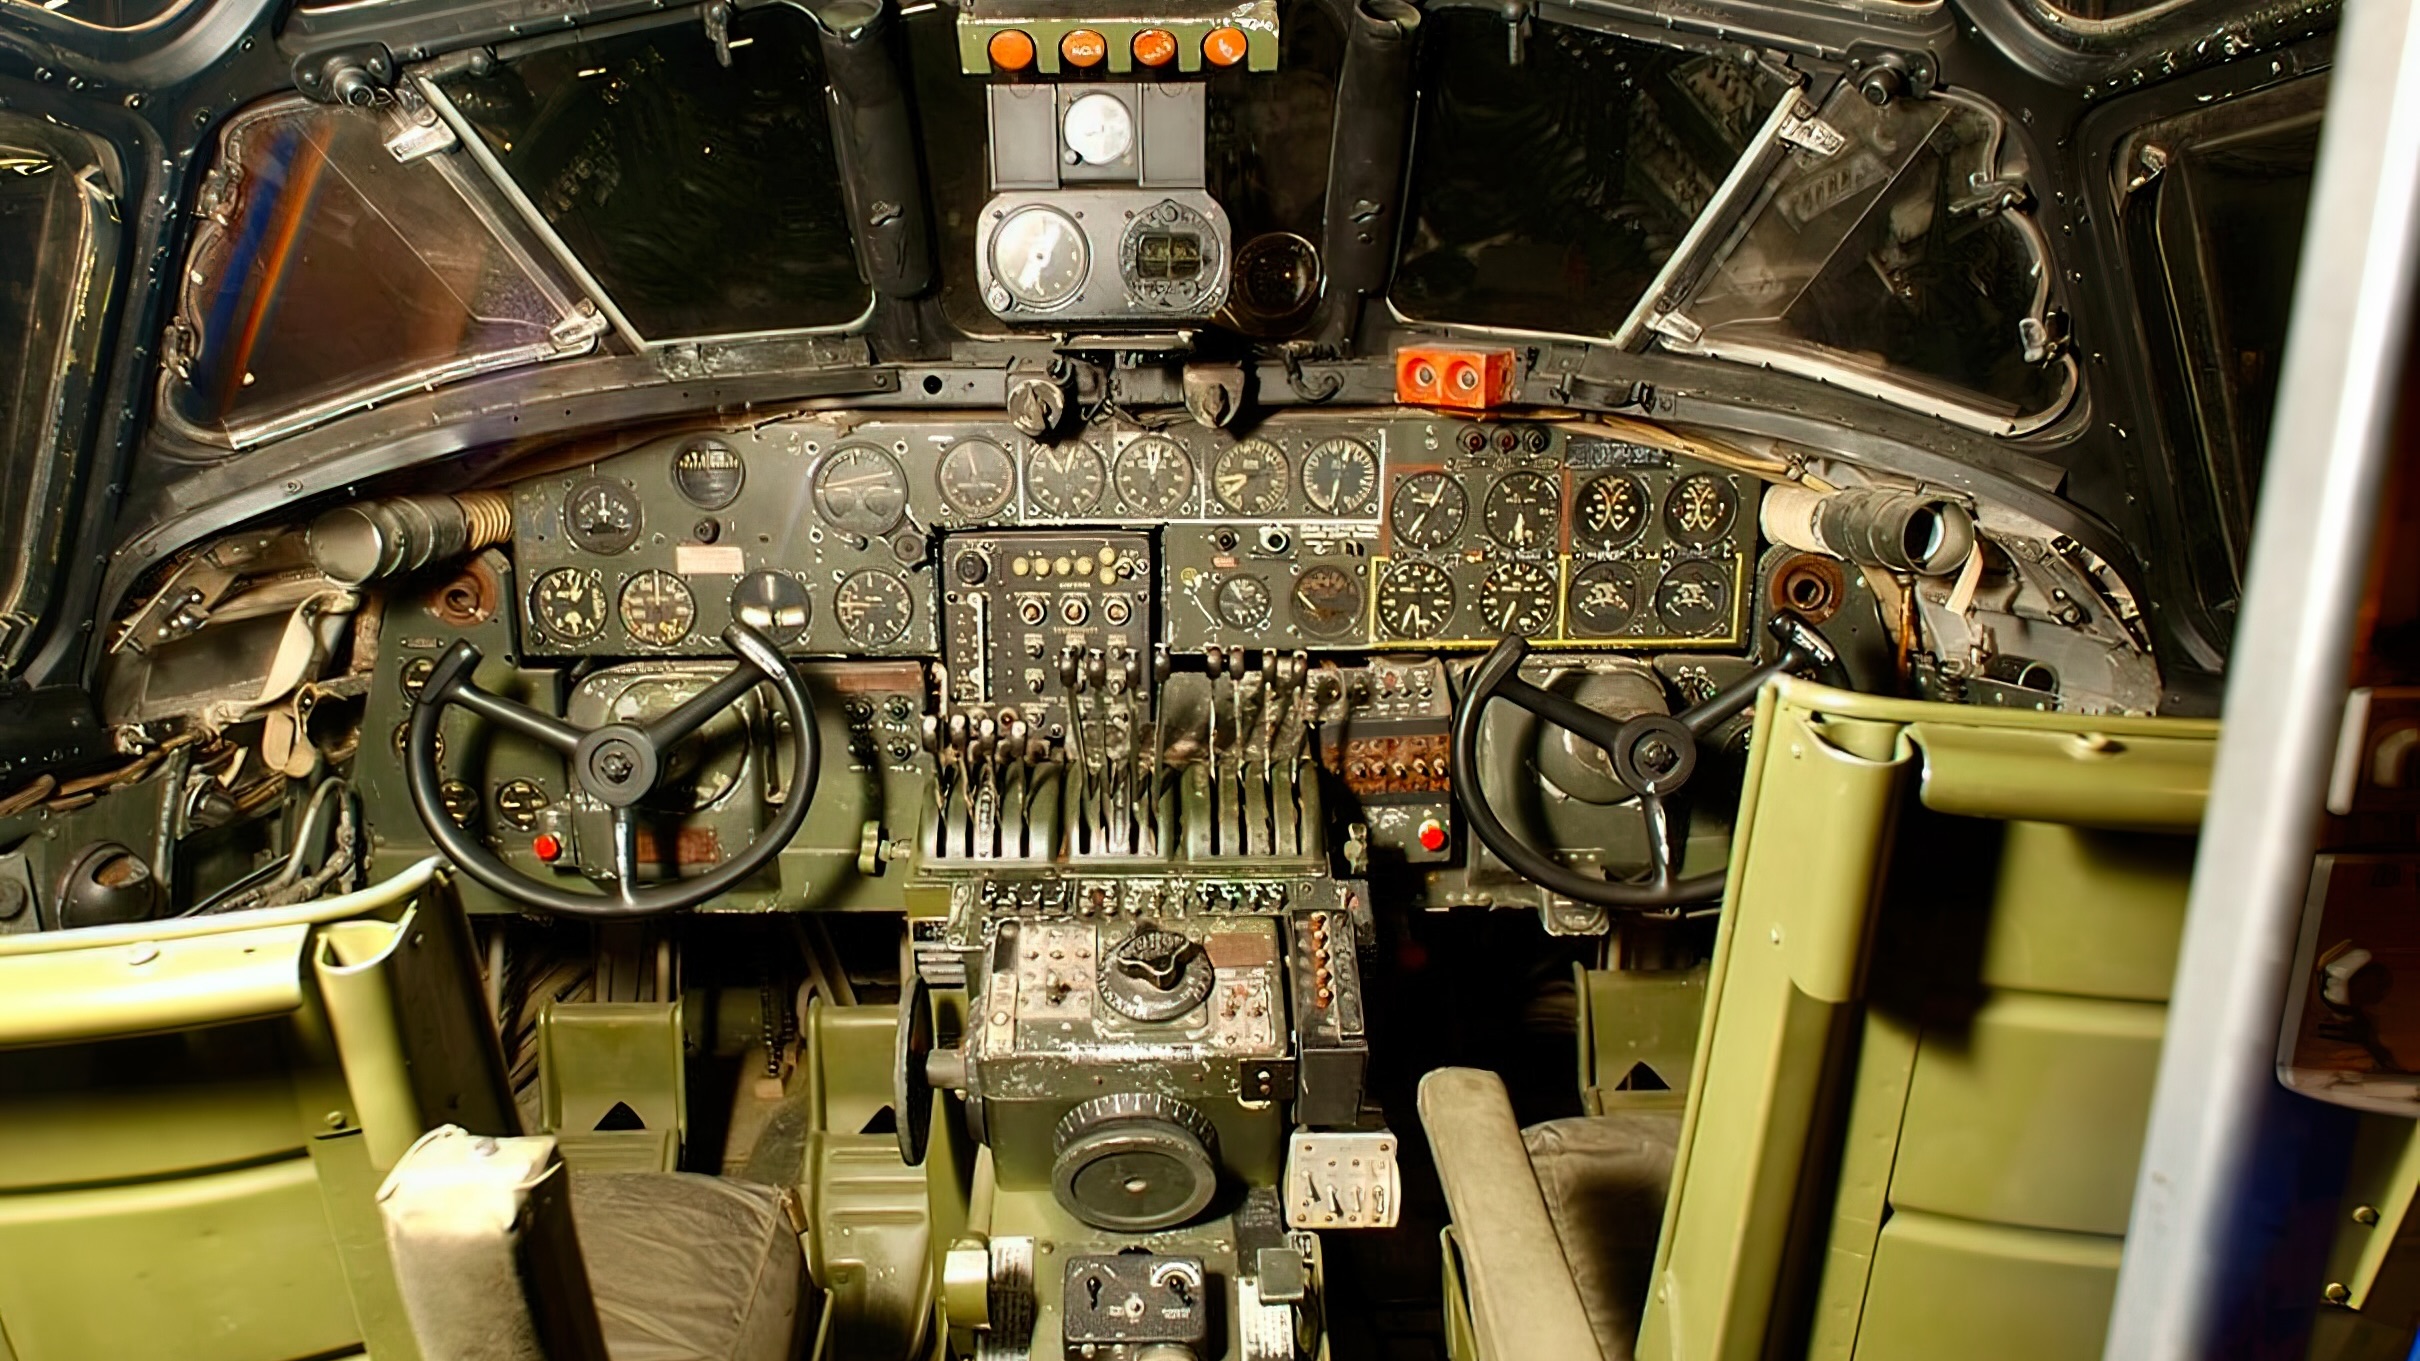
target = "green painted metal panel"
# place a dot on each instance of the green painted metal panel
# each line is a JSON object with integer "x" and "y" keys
{"x": 2089, "y": 912}
{"x": 1945, "y": 1288}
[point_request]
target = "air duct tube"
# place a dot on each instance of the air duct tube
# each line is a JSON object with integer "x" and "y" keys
{"x": 1374, "y": 102}
{"x": 1894, "y": 530}
{"x": 873, "y": 132}
{"x": 371, "y": 539}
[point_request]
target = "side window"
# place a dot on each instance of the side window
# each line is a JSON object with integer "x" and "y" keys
{"x": 58, "y": 271}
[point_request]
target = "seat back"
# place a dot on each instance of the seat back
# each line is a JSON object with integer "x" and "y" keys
{"x": 195, "y": 1115}
{"x": 1932, "y": 1024}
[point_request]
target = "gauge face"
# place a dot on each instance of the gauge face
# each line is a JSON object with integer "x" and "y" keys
{"x": 569, "y": 603}
{"x": 1612, "y": 510}
{"x": 1339, "y": 475}
{"x": 657, "y": 608}
{"x": 1099, "y": 128}
{"x": 775, "y": 604}
{"x": 977, "y": 477}
{"x": 1243, "y": 602}
{"x": 708, "y": 474}
{"x": 1699, "y": 509}
{"x": 1415, "y": 600}
{"x": 601, "y": 515}
{"x": 873, "y": 608}
{"x": 1604, "y": 598}
{"x": 1039, "y": 256}
{"x": 1249, "y": 477}
{"x": 460, "y": 800}
{"x": 1429, "y": 510}
{"x": 1064, "y": 479}
{"x": 519, "y": 802}
{"x": 860, "y": 490}
{"x": 1153, "y": 475}
{"x": 1521, "y": 510}
{"x": 1327, "y": 603}
{"x": 1518, "y": 597}
{"x": 1694, "y": 599}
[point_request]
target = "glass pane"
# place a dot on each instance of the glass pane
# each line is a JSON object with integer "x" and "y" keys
{"x": 329, "y": 275}
{"x": 704, "y": 201}
{"x": 1545, "y": 195}
{"x": 1267, "y": 154}
{"x": 105, "y": 13}
{"x": 1892, "y": 254}
{"x": 58, "y": 255}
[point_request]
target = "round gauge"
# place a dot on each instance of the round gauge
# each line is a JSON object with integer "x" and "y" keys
{"x": 1327, "y": 602}
{"x": 1099, "y": 128}
{"x": 775, "y": 604}
{"x": 1064, "y": 479}
{"x": 1518, "y": 597}
{"x": 460, "y": 800}
{"x": 1243, "y": 602}
{"x": 1039, "y": 257}
{"x": 1694, "y": 599}
{"x": 569, "y": 603}
{"x": 601, "y": 515}
{"x": 1429, "y": 510}
{"x": 873, "y": 608}
{"x": 519, "y": 802}
{"x": 860, "y": 490}
{"x": 708, "y": 474}
{"x": 1699, "y": 509}
{"x": 1339, "y": 475}
{"x": 977, "y": 477}
{"x": 1521, "y": 510}
{"x": 1612, "y": 510}
{"x": 1604, "y": 597}
{"x": 1249, "y": 477}
{"x": 1153, "y": 475}
{"x": 657, "y": 608}
{"x": 1415, "y": 600}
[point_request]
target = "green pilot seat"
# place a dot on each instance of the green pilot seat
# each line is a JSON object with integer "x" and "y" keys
{"x": 1917, "y": 1105}
{"x": 196, "y": 1117}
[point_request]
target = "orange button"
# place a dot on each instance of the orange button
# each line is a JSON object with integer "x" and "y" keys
{"x": 1083, "y": 47}
{"x": 1155, "y": 47}
{"x": 547, "y": 847}
{"x": 1224, "y": 46}
{"x": 1011, "y": 50}
{"x": 1432, "y": 835}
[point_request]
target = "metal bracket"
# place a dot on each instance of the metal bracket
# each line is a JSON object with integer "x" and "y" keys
{"x": 355, "y": 75}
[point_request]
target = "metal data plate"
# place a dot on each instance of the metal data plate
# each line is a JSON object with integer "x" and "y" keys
{"x": 1347, "y": 1180}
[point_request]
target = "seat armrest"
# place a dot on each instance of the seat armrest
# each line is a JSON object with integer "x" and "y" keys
{"x": 1522, "y": 1300}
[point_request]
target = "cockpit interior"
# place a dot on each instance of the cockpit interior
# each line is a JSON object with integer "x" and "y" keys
{"x": 1207, "y": 680}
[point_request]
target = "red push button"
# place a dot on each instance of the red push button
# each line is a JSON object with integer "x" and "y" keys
{"x": 549, "y": 847}
{"x": 1432, "y": 835}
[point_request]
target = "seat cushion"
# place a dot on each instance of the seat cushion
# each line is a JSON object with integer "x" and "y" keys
{"x": 1604, "y": 1178}
{"x": 689, "y": 1268}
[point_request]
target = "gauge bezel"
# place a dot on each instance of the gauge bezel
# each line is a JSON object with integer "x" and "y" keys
{"x": 1429, "y": 540}
{"x": 596, "y": 588}
{"x": 588, "y": 540}
{"x": 1034, "y": 484}
{"x": 687, "y": 609}
{"x": 1157, "y": 505}
{"x": 819, "y": 483}
{"x": 1362, "y": 455}
{"x": 1276, "y": 461}
{"x": 1439, "y": 582}
{"x": 975, "y": 510}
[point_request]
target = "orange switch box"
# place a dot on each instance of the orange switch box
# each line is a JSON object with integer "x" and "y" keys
{"x": 1467, "y": 380}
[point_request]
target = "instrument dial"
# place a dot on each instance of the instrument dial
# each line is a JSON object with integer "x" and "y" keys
{"x": 519, "y": 802}
{"x": 1521, "y": 510}
{"x": 1699, "y": 509}
{"x": 1415, "y": 600}
{"x": 1604, "y": 598}
{"x": 775, "y": 604}
{"x": 1249, "y": 477}
{"x": 1694, "y": 599}
{"x": 1518, "y": 597}
{"x": 1099, "y": 128}
{"x": 1429, "y": 510}
{"x": 976, "y": 478}
{"x": 1244, "y": 602}
{"x": 1039, "y": 257}
{"x": 601, "y": 515}
{"x": 657, "y": 608}
{"x": 873, "y": 608}
{"x": 860, "y": 490}
{"x": 1612, "y": 509}
{"x": 1154, "y": 475}
{"x": 461, "y": 802}
{"x": 1064, "y": 479}
{"x": 1339, "y": 475}
{"x": 708, "y": 474}
{"x": 569, "y": 603}
{"x": 1327, "y": 603}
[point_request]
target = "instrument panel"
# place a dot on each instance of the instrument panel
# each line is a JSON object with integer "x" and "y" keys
{"x": 1322, "y": 532}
